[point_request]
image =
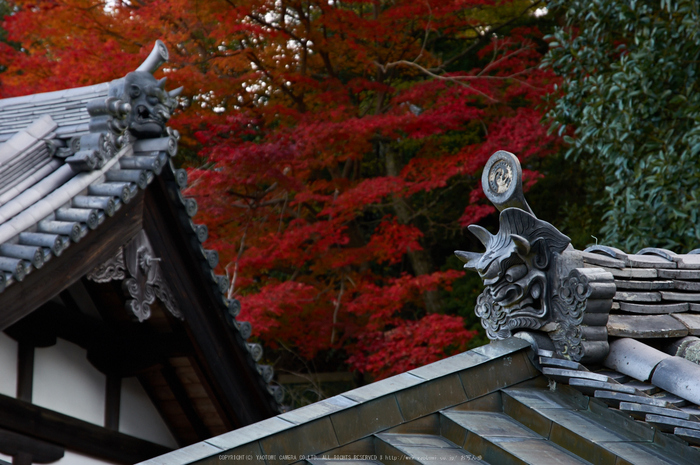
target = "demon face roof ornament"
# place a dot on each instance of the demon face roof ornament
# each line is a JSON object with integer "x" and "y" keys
{"x": 150, "y": 104}
{"x": 535, "y": 282}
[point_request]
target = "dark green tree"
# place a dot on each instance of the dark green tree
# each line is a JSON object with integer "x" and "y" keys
{"x": 629, "y": 106}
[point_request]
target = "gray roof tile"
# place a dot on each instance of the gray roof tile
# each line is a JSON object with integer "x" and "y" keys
{"x": 633, "y": 358}
{"x": 250, "y": 433}
{"x": 383, "y": 387}
{"x": 678, "y": 376}
{"x": 691, "y": 321}
{"x": 449, "y": 365}
{"x": 42, "y": 127}
{"x": 186, "y": 455}
{"x": 318, "y": 409}
{"x": 497, "y": 349}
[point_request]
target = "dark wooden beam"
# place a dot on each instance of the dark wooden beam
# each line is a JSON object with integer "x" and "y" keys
{"x": 121, "y": 349}
{"x": 124, "y": 354}
{"x": 77, "y": 298}
{"x": 220, "y": 350}
{"x": 25, "y": 371}
{"x": 109, "y": 299}
{"x": 22, "y": 298}
{"x": 25, "y": 447}
{"x": 34, "y": 329}
{"x": 183, "y": 436}
{"x": 22, "y": 458}
{"x": 185, "y": 402}
{"x": 113, "y": 402}
{"x": 73, "y": 434}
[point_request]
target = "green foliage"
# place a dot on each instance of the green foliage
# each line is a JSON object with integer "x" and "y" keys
{"x": 630, "y": 109}
{"x": 568, "y": 209}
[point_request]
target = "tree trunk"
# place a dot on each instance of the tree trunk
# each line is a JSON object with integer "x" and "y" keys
{"x": 420, "y": 259}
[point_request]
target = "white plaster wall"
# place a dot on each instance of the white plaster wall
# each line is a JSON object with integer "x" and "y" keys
{"x": 64, "y": 381}
{"x": 138, "y": 416}
{"x": 8, "y": 365}
{"x": 74, "y": 458}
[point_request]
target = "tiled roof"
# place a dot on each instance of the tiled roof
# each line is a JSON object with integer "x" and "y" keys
{"x": 488, "y": 405}
{"x": 657, "y": 291}
{"x": 651, "y": 370}
{"x": 634, "y": 314}
{"x": 67, "y": 164}
{"x": 65, "y": 107}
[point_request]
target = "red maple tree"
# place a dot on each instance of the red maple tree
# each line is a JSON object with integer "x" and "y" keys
{"x": 337, "y": 142}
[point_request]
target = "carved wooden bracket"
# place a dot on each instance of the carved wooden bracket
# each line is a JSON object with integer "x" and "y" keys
{"x": 137, "y": 267}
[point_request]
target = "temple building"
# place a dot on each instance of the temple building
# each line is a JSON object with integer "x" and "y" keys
{"x": 119, "y": 342}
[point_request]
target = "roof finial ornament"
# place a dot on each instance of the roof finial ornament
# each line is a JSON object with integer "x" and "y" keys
{"x": 155, "y": 59}
{"x": 137, "y": 107}
{"x": 534, "y": 280}
{"x": 151, "y": 105}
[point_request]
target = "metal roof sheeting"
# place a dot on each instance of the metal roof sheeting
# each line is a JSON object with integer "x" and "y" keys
{"x": 488, "y": 405}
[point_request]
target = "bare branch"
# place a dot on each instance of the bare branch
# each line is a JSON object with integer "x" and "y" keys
{"x": 495, "y": 62}
{"x": 232, "y": 287}
{"x": 337, "y": 307}
{"x": 495, "y": 30}
{"x": 479, "y": 76}
{"x": 427, "y": 31}
{"x": 455, "y": 79}
{"x": 284, "y": 207}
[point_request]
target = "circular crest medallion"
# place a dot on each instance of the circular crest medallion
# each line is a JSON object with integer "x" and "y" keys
{"x": 502, "y": 181}
{"x": 500, "y": 177}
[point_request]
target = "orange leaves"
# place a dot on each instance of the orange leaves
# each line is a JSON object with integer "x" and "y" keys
{"x": 410, "y": 344}
{"x": 362, "y": 195}
{"x": 392, "y": 240}
{"x": 328, "y": 142}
